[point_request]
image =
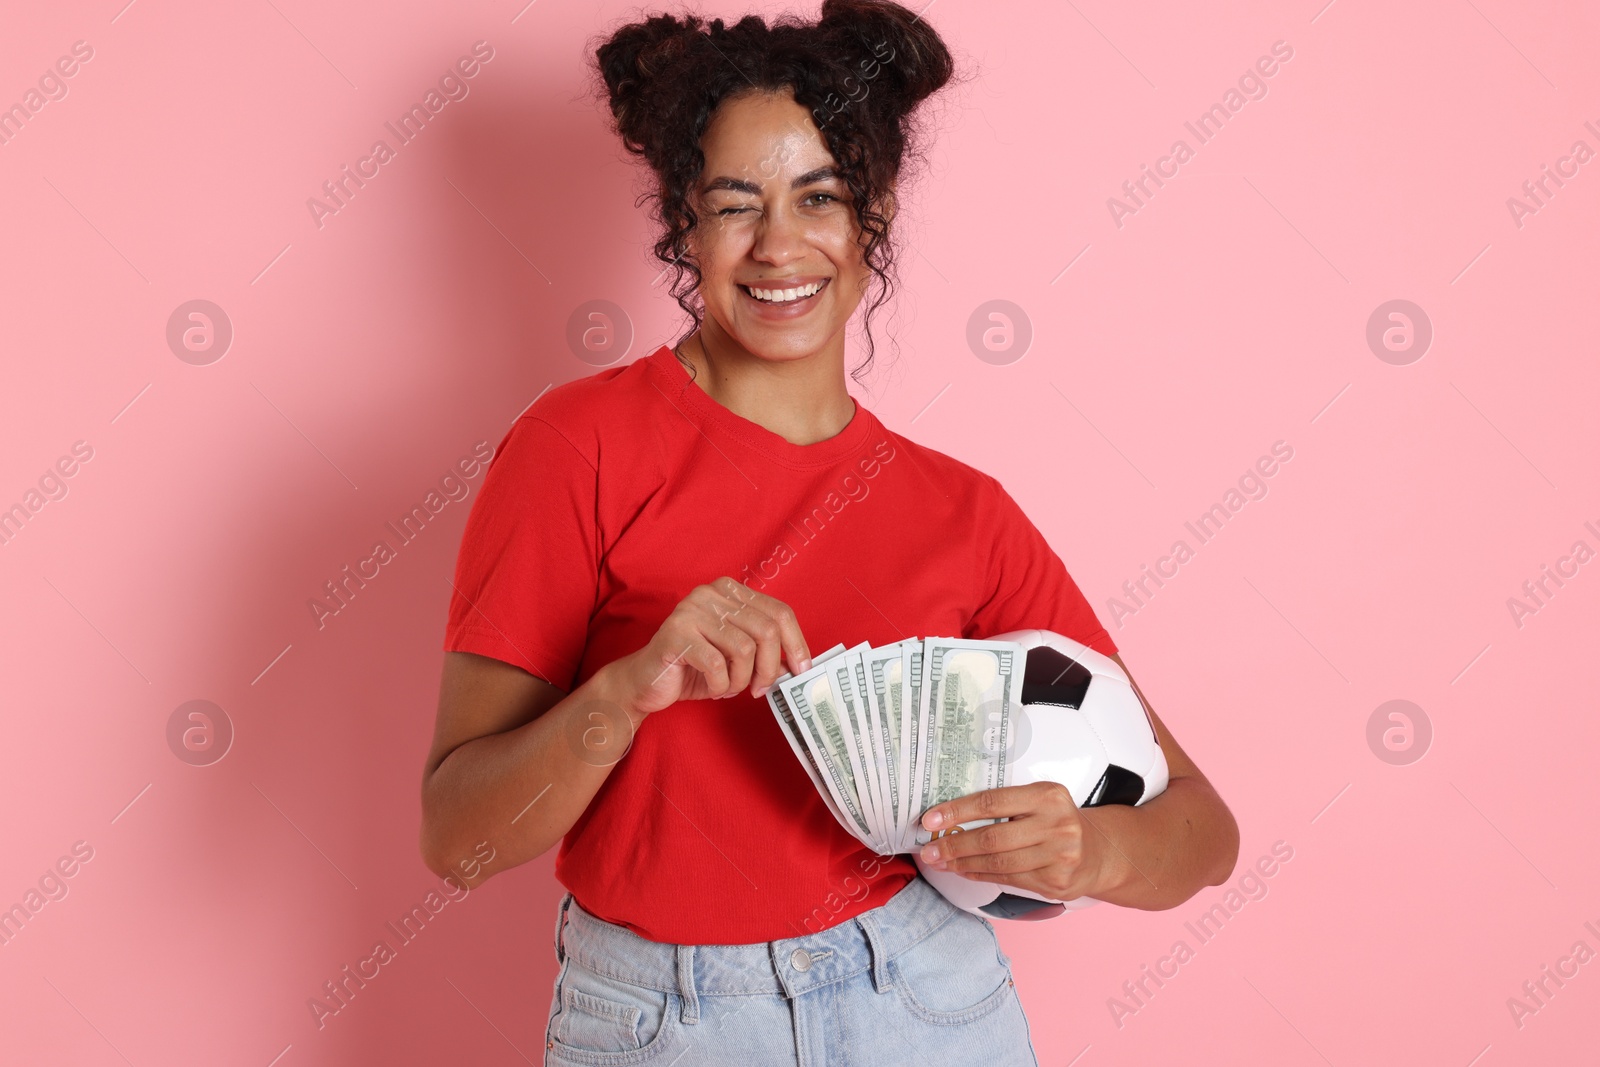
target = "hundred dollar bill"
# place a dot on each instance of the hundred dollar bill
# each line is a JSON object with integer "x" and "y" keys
{"x": 913, "y": 733}
{"x": 917, "y": 732}
{"x": 791, "y": 733}
{"x": 970, "y": 690}
{"x": 851, "y": 686}
{"x": 812, "y": 698}
{"x": 886, "y": 668}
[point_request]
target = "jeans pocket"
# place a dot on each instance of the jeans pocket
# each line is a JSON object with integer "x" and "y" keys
{"x": 600, "y": 1020}
{"x": 954, "y": 975}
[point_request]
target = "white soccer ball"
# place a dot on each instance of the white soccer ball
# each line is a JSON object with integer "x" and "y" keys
{"x": 1080, "y": 724}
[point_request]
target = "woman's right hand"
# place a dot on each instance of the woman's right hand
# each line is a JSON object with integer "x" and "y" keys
{"x": 721, "y": 639}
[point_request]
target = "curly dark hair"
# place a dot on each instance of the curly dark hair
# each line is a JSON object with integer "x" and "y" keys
{"x": 861, "y": 70}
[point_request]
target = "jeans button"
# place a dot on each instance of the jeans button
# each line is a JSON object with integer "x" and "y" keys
{"x": 800, "y": 959}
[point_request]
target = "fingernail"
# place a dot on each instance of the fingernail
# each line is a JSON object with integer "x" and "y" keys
{"x": 761, "y": 692}
{"x": 933, "y": 820}
{"x": 804, "y": 665}
{"x": 930, "y": 854}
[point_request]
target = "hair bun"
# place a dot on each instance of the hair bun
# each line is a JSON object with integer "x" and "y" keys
{"x": 906, "y": 49}
{"x": 633, "y": 62}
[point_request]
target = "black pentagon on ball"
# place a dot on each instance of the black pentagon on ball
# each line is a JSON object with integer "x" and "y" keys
{"x": 1053, "y": 677}
{"x": 1011, "y": 906}
{"x": 1117, "y": 786}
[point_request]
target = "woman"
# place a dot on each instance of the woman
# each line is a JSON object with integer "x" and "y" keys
{"x": 656, "y": 543}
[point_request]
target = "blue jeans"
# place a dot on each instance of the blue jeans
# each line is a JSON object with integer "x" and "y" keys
{"x": 915, "y": 981}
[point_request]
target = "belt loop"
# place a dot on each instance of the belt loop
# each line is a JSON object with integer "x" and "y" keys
{"x": 561, "y": 920}
{"x": 880, "y": 958}
{"x": 691, "y": 1000}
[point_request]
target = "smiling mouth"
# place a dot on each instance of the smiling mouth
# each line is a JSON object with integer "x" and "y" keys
{"x": 785, "y": 297}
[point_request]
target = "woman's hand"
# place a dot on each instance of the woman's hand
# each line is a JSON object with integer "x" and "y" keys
{"x": 1047, "y": 847}
{"x": 721, "y": 639}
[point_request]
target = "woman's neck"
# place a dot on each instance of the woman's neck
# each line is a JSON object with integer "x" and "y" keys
{"x": 803, "y": 400}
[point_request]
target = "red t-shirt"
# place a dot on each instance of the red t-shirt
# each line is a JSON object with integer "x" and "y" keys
{"x": 611, "y": 498}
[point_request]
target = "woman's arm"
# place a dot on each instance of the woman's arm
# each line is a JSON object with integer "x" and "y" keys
{"x": 1154, "y": 856}
{"x": 515, "y": 762}
{"x": 502, "y": 770}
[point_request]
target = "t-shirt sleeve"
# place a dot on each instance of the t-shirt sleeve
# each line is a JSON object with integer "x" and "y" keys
{"x": 1028, "y": 587}
{"x": 528, "y": 569}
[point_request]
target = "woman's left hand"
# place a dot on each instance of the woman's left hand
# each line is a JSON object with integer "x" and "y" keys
{"x": 1046, "y": 846}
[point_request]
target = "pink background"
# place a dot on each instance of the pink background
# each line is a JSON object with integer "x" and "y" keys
{"x": 371, "y": 354}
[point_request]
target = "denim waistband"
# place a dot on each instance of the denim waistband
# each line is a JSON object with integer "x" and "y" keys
{"x": 789, "y": 967}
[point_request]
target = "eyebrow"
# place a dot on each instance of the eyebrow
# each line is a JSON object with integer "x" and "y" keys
{"x": 741, "y": 185}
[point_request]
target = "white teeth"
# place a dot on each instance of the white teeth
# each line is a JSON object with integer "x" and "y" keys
{"x": 780, "y": 296}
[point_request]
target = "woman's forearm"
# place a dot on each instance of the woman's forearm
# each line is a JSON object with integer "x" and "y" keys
{"x": 1164, "y": 851}
{"x": 522, "y": 790}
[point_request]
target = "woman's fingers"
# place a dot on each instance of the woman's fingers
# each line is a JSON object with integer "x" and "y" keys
{"x": 758, "y": 631}
{"x": 734, "y": 637}
{"x": 704, "y": 657}
{"x": 712, "y": 617}
{"x": 996, "y": 837}
{"x": 776, "y": 632}
{"x": 750, "y": 633}
{"x": 793, "y": 643}
{"x": 1050, "y": 798}
{"x": 774, "y": 625}
{"x": 738, "y": 649}
{"x": 1004, "y": 864}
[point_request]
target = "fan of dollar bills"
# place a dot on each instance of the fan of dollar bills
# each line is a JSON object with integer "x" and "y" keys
{"x": 887, "y": 733}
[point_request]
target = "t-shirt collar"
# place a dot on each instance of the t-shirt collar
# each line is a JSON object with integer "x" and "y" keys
{"x": 693, "y": 402}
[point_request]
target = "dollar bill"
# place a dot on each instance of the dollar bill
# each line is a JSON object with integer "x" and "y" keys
{"x": 970, "y": 689}
{"x": 861, "y": 740}
{"x": 812, "y": 698}
{"x": 886, "y": 670}
{"x": 917, "y": 729}
{"x": 791, "y": 733}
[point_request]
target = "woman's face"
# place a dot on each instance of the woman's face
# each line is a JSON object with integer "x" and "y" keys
{"x": 773, "y": 217}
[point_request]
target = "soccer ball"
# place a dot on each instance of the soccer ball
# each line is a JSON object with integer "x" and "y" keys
{"x": 1080, "y": 724}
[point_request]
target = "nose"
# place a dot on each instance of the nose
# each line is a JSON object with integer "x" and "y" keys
{"x": 780, "y": 238}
